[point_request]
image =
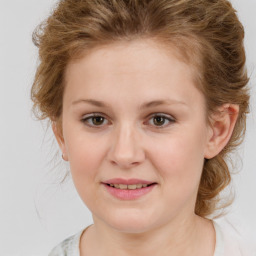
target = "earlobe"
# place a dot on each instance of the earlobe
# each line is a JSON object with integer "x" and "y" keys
{"x": 59, "y": 137}
{"x": 222, "y": 126}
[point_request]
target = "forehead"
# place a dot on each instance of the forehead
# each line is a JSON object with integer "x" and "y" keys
{"x": 142, "y": 67}
{"x": 136, "y": 56}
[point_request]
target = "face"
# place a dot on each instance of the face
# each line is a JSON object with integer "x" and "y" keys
{"x": 135, "y": 134}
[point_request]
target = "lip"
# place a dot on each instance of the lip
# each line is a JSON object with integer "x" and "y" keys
{"x": 127, "y": 182}
{"x": 128, "y": 194}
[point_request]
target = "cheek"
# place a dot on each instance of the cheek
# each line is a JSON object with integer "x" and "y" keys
{"x": 179, "y": 160}
{"x": 85, "y": 155}
{"x": 84, "y": 151}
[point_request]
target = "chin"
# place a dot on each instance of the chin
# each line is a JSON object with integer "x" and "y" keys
{"x": 130, "y": 227}
{"x": 130, "y": 222}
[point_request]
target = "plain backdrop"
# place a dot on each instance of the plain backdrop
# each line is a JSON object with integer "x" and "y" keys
{"x": 36, "y": 212}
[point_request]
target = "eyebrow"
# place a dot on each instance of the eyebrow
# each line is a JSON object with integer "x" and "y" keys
{"x": 149, "y": 104}
{"x": 96, "y": 103}
{"x": 156, "y": 103}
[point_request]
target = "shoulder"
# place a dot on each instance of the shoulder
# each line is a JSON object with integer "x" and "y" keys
{"x": 68, "y": 247}
{"x": 232, "y": 239}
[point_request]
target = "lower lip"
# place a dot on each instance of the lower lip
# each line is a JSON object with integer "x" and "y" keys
{"x": 129, "y": 194}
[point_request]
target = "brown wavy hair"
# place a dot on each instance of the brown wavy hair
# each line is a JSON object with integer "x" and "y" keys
{"x": 206, "y": 33}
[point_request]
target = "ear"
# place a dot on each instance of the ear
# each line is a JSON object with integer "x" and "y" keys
{"x": 221, "y": 129}
{"x": 59, "y": 137}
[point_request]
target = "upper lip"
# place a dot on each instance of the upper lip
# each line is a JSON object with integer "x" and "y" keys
{"x": 127, "y": 181}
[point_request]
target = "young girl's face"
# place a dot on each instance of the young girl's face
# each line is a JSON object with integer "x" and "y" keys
{"x": 135, "y": 134}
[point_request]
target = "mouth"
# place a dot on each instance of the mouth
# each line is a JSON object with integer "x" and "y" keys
{"x": 128, "y": 189}
{"x": 130, "y": 186}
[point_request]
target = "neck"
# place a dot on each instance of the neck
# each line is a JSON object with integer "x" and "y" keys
{"x": 191, "y": 236}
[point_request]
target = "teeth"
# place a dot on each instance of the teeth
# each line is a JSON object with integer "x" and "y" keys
{"x": 132, "y": 186}
{"x": 122, "y": 186}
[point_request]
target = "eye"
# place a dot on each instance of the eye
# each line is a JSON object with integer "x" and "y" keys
{"x": 94, "y": 120}
{"x": 161, "y": 120}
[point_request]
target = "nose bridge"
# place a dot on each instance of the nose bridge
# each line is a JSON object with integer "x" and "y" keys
{"x": 126, "y": 150}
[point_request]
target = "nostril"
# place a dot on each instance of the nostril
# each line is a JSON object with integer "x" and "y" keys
{"x": 113, "y": 162}
{"x": 124, "y": 164}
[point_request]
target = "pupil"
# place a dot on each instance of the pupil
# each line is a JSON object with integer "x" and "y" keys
{"x": 159, "y": 120}
{"x": 97, "y": 120}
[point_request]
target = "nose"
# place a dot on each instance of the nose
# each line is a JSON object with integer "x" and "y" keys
{"x": 126, "y": 150}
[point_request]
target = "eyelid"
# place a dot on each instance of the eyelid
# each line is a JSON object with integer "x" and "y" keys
{"x": 168, "y": 117}
{"x": 91, "y": 115}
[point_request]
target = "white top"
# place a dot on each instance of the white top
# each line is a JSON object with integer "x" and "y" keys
{"x": 228, "y": 243}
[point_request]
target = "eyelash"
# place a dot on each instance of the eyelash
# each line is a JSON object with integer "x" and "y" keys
{"x": 166, "y": 118}
{"x": 88, "y": 120}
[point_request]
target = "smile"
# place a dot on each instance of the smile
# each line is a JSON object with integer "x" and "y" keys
{"x": 131, "y": 189}
{"x": 131, "y": 186}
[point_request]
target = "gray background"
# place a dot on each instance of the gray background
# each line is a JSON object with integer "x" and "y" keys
{"x": 35, "y": 211}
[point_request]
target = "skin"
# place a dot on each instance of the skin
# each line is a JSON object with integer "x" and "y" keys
{"x": 117, "y": 82}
